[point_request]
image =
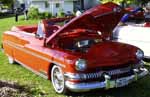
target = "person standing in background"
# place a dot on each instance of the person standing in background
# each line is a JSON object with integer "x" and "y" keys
{"x": 147, "y": 12}
{"x": 16, "y": 14}
{"x": 26, "y": 14}
{"x": 147, "y": 15}
{"x": 125, "y": 18}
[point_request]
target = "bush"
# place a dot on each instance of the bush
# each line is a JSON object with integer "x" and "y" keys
{"x": 42, "y": 15}
{"x": 45, "y": 15}
{"x": 61, "y": 13}
{"x": 48, "y": 15}
{"x": 33, "y": 13}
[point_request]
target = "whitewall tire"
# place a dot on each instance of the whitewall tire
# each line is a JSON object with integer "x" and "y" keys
{"x": 58, "y": 80}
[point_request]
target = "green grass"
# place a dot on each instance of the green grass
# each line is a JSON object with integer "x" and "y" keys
{"x": 40, "y": 87}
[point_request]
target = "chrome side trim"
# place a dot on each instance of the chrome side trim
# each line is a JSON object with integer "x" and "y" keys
{"x": 80, "y": 87}
{"x": 20, "y": 47}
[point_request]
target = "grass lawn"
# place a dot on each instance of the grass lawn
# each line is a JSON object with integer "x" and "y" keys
{"x": 39, "y": 87}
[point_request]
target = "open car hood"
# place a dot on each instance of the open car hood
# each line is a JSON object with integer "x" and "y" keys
{"x": 101, "y": 18}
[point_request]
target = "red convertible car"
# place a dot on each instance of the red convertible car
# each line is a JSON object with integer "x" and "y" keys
{"x": 79, "y": 55}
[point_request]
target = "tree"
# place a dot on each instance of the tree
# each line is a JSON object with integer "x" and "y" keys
{"x": 8, "y": 3}
{"x": 127, "y": 1}
{"x": 143, "y": 2}
{"x": 119, "y": 1}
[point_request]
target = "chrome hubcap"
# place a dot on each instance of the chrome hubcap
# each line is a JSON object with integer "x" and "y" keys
{"x": 57, "y": 79}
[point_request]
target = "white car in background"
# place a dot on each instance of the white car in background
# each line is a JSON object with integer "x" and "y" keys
{"x": 135, "y": 34}
{"x": 136, "y": 30}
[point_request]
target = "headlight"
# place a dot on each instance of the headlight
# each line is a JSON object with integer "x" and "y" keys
{"x": 80, "y": 65}
{"x": 139, "y": 54}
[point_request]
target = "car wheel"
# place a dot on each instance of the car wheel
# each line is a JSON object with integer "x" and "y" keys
{"x": 10, "y": 60}
{"x": 58, "y": 80}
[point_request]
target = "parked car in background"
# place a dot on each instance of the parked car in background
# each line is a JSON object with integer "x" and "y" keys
{"x": 135, "y": 35}
{"x": 69, "y": 14}
{"x": 6, "y": 11}
{"x": 135, "y": 31}
{"x": 79, "y": 55}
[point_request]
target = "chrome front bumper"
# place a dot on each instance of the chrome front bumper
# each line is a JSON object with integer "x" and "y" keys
{"x": 80, "y": 87}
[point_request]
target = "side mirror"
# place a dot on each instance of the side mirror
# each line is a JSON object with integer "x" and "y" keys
{"x": 39, "y": 36}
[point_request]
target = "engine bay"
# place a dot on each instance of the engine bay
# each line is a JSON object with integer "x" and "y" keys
{"x": 80, "y": 45}
{"x": 79, "y": 40}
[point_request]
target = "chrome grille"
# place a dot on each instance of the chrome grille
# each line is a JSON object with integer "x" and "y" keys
{"x": 110, "y": 72}
{"x": 119, "y": 71}
{"x": 86, "y": 76}
{"x": 93, "y": 75}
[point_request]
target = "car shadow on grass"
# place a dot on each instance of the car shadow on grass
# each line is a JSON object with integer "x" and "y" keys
{"x": 136, "y": 89}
